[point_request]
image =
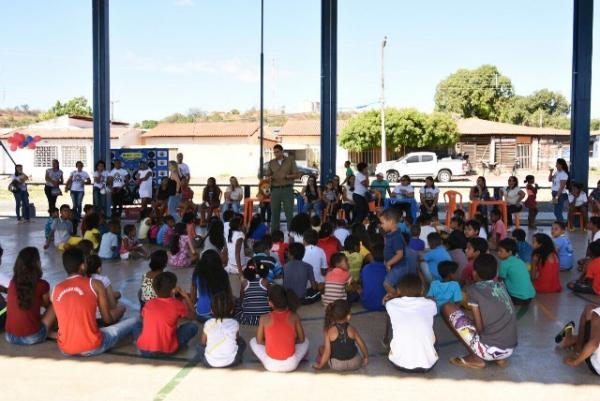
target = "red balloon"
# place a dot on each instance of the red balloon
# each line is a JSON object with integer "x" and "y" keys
{"x": 31, "y": 145}
{"x": 37, "y": 138}
{"x": 13, "y": 148}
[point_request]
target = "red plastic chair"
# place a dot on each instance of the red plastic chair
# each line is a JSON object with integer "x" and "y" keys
{"x": 450, "y": 198}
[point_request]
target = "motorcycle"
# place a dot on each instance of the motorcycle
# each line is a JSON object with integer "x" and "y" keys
{"x": 492, "y": 167}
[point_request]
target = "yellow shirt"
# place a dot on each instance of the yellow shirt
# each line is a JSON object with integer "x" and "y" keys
{"x": 93, "y": 235}
{"x": 355, "y": 262}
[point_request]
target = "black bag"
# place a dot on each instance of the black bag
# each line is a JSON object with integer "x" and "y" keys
{"x": 14, "y": 186}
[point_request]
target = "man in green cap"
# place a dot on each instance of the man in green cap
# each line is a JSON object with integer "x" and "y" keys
{"x": 282, "y": 171}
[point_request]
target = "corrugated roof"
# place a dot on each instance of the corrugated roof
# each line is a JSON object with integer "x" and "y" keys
{"x": 307, "y": 127}
{"x": 204, "y": 129}
{"x": 476, "y": 126}
{"x": 72, "y": 133}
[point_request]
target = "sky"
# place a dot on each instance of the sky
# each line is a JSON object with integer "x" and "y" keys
{"x": 174, "y": 55}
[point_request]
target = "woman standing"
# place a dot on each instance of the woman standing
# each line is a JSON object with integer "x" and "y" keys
{"x": 100, "y": 179}
{"x": 430, "y": 196}
{"x": 560, "y": 192}
{"x": 54, "y": 179}
{"x": 361, "y": 187}
{"x": 143, "y": 179}
{"x": 174, "y": 190}
{"x": 312, "y": 197}
{"x": 18, "y": 187}
{"x": 75, "y": 184}
{"x": 513, "y": 195}
{"x": 233, "y": 196}
{"x": 348, "y": 198}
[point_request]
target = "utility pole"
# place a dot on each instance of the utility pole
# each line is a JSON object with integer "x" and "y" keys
{"x": 383, "y": 139}
{"x": 262, "y": 88}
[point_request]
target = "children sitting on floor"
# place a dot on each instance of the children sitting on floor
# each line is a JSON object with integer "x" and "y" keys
{"x": 456, "y": 244}
{"x": 254, "y": 288}
{"x": 472, "y": 229}
{"x": 562, "y": 244}
{"x": 159, "y": 333}
{"x": 61, "y": 232}
{"x": 109, "y": 245}
{"x": 341, "y": 231}
{"x": 355, "y": 259}
{"x": 221, "y": 345}
{"x": 315, "y": 256}
{"x": 94, "y": 270}
{"x": 437, "y": 253}
{"x": 181, "y": 250}
{"x": 412, "y": 349}
{"x": 475, "y": 247}
{"x": 279, "y": 246}
{"x": 327, "y": 242}
{"x": 589, "y": 281}
{"x": 447, "y": 289}
{"x": 523, "y": 248}
{"x": 372, "y": 277}
{"x": 163, "y": 238}
{"x": 394, "y": 250}
{"x": 75, "y": 301}
{"x": 92, "y": 233}
{"x": 416, "y": 243}
{"x": 544, "y": 265}
{"x": 424, "y": 222}
{"x": 52, "y": 217}
{"x": 341, "y": 343}
{"x": 130, "y": 247}
{"x": 298, "y": 276}
{"x": 27, "y": 294}
{"x": 586, "y": 343}
{"x": 260, "y": 257}
{"x": 144, "y": 224}
{"x": 497, "y": 229}
{"x": 491, "y": 334}
{"x": 513, "y": 271}
{"x": 280, "y": 343}
{"x": 336, "y": 279}
{"x": 158, "y": 263}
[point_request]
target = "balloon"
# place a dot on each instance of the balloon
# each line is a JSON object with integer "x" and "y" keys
{"x": 31, "y": 145}
{"x": 37, "y": 138}
{"x": 29, "y": 138}
{"x": 13, "y": 148}
{"x": 21, "y": 145}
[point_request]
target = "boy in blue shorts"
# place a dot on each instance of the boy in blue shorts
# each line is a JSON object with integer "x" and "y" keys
{"x": 393, "y": 250}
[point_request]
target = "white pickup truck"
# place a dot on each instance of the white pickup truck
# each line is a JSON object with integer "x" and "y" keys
{"x": 421, "y": 165}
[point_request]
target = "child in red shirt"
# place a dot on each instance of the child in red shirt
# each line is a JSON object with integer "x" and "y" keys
{"x": 545, "y": 266}
{"x": 327, "y": 242}
{"x": 279, "y": 246}
{"x": 589, "y": 282}
{"x": 158, "y": 333}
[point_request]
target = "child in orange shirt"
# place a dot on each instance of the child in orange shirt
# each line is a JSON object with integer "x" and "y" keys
{"x": 589, "y": 282}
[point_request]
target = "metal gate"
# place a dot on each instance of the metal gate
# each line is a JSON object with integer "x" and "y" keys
{"x": 523, "y": 155}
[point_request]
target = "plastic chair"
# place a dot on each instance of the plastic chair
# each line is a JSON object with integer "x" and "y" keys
{"x": 450, "y": 198}
{"x": 570, "y": 221}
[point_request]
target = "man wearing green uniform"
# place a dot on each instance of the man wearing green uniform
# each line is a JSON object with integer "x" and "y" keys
{"x": 282, "y": 171}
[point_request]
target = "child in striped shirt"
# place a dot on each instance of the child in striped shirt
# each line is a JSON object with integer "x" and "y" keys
{"x": 336, "y": 279}
{"x": 254, "y": 293}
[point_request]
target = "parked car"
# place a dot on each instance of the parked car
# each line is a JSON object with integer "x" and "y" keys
{"x": 305, "y": 172}
{"x": 423, "y": 164}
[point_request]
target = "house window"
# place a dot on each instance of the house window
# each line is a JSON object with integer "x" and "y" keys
{"x": 73, "y": 154}
{"x": 44, "y": 155}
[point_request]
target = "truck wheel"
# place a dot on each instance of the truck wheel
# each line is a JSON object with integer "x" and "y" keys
{"x": 392, "y": 176}
{"x": 444, "y": 176}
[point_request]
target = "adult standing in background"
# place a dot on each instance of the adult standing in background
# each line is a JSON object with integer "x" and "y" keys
{"x": 100, "y": 184}
{"x": 119, "y": 177}
{"x": 359, "y": 196}
{"x": 174, "y": 189}
{"x": 54, "y": 179}
{"x": 18, "y": 186}
{"x": 184, "y": 170}
{"x": 560, "y": 191}
{"x": 282, "y": 171}
{"x": 143, "y": 180}
{"x": 76, "y": 184}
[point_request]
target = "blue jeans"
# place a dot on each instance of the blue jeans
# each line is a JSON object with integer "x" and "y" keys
{"x": 36, "y": 338}
{"x": 77, "y": 199}
{"x": 185, "y": 333}
{"x": 235, "y": 206}
{"x": 172, "y": 204}
{"x": 558, "y": 207}
{"x": 111, "y": 335}
{"x": 316, "y": 205}
{"x": 22, "y": 202}
{"x": 100, "y": 201}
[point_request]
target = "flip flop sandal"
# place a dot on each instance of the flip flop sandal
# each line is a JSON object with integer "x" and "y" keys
{"x": 460, "y": 362}
{"x": 563, "y": 333}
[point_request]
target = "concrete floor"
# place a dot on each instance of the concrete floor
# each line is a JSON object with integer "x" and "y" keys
{"x": 535, "y": 371}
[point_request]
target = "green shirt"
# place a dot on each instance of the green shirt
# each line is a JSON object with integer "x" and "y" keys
{"x": 349, "y": 172}
{"x": 355, "y": 262}
{"x": 277, "y": 171}
{"x": 516, "y": 278}
{"x": 381, "y": 187}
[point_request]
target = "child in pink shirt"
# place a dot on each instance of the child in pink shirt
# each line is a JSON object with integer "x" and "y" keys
{"x": 497, "y": 229}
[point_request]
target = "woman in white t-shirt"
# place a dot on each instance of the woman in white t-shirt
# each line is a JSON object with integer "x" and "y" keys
{"x": 404, "y": 192}
{"x": 559, "y": 181}
{"x": 233, "y": 196}
{"x": 76, "y": 184}
{"x": 18, "y": 186}
{"x": 513, "y": 196}
{"x": 361, "y": 187}
{"x": 585, "y": 343}
{"x": 143, "y": 178}
{"x": 430, "y": 196}
{"x": 54, "y": 179}
{"x": 100, "y": 180}
{"x": 348, "y": 197}
{"x": 578, "y": 203}
{"x": 236, "y": 258}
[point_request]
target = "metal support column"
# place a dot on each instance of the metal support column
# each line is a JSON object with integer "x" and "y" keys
{"x": 101, "y": 66}
{"x": 328, "y": 89}
{"x": 583, "y": 15}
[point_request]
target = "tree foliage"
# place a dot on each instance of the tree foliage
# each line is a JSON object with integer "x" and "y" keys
{"x": 474, "y": 93}
{"x": 146, "y": 124}
{"x": 543, "y": 108}
{"x": 403, "y": 127}
{"x": 78, "y": 106}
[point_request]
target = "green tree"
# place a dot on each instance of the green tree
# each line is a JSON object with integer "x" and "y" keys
{"x": 474, "y": 93}
{"x": 146, "y": 124}
{"x": 78, "y": 106}
{"x": 404, "y": 128}
{"x": 543, "y": 108}
{"x": 595, "y": 124}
